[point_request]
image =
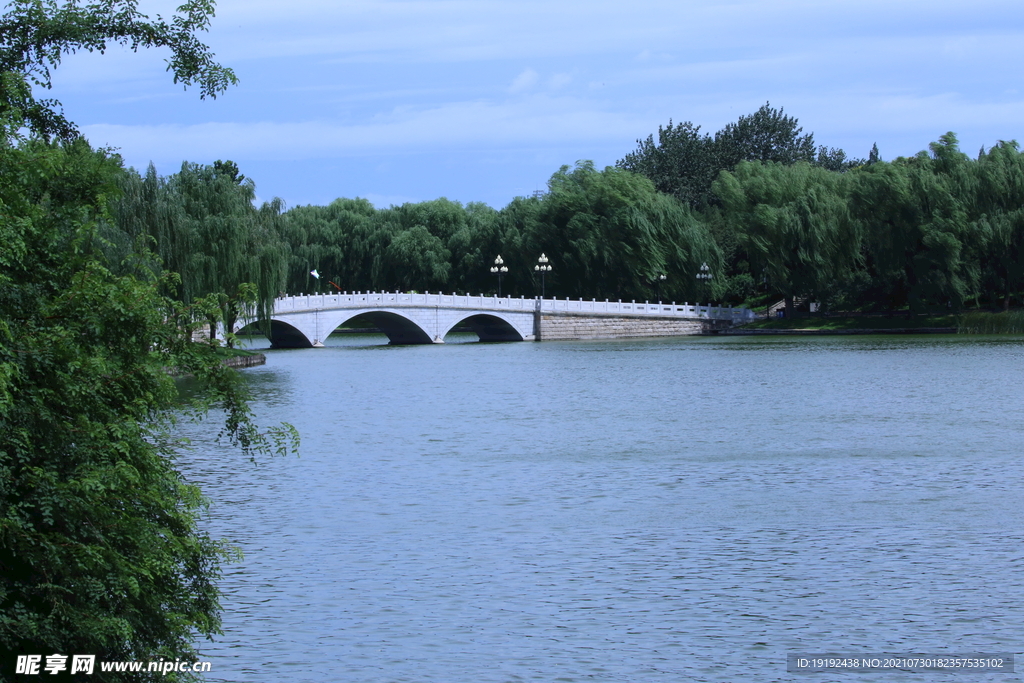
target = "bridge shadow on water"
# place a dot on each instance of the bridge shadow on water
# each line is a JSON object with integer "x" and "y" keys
{"x": 373, "y": 338}
{"x": 251, "y": 339}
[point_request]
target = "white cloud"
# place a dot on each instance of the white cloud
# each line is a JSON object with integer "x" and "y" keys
{"x": 323, "y": 79}
{"x": 466, "y": 30}
{"x": 524, "y": 81}
{"x": 649, "y": 56}
{"x": 536, "y": 120}
{"x": 559, "y": 81}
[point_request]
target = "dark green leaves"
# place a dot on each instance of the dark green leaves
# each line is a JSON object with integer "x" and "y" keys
{"x": 100, "y": 550}
{"x": 685, "y": 163}
{"x": 36, "y": 34}
{"x": 610, "y": 234}
{"x": 794, "y": 223}
{"x": 205, "y": 227}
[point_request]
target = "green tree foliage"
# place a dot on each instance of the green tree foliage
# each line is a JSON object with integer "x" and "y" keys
{"x": 100, "y": 550}
{"x": 36, "y": 34}
{"x": 228, "y": 169}
{"x": 610, "y": 234}
{"x": 415, "y": 256}
{"x": 430, "y": 245}
{"x": 483, "y": 236}
{"x": 684, "y": 163}
{"x": 874, "y": 157}
{"x": 999, "y": 212}
{"x": 794, "y": 223}
{"x": 206, "y": 229}
{"x": 933, "y": 230}
{"x": 334, "y": 240}
{"x": 921, "y": 246}
{"x": 835, "y": 159}
{"x": 767, "y": 135}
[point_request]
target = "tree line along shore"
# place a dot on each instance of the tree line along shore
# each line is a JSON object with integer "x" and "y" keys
{"x": 772, "y": 216}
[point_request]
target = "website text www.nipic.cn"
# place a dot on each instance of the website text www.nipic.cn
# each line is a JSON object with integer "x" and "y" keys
{"x": 32, "y": 665}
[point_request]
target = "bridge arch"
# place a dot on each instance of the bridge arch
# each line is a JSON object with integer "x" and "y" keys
{"x": 313, "y": 328}
{"x": 489, "y": 327}
{"x": 286, "y": 336}
{"x": 425, "y": 326}
{"x": 399, "y": 329}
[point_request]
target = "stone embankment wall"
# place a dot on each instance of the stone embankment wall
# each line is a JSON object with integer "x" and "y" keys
{"x": 245, "y": 361}
{"x": 569, "y": 326}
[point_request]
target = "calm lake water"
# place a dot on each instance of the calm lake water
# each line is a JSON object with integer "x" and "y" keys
{"x": 660, "y": 510}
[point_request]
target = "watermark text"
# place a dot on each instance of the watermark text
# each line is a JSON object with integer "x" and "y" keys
{"x": 35, "y": 665}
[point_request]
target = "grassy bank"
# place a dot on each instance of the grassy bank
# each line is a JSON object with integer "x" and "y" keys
{"x": 977, "y": 322}
{"x": 854, "y": 322}
{"x": 1011, "y": 322}
{"x": 225, "y": 352}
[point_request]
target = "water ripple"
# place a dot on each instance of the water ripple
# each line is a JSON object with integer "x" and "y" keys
{"x": 662, "y": 510}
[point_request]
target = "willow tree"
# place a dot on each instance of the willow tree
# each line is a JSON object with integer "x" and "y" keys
{"x": 921, "y": 245}
{"x": 408, "y": 249}
{"x": 416, "y": 259}
{"x": 611, "y": 234}
{"x": 999, "y": 210}
{"x": 229, "y": 255}
{"x": 794, "y": 223}
{"x": 485, "y": 235}
{"x": 330, "y": 239}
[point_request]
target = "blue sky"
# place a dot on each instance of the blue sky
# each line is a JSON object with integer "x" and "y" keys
{"x": 482, "y": 100}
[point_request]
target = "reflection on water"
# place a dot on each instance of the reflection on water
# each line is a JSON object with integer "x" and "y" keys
{"x": 660, "y": 510}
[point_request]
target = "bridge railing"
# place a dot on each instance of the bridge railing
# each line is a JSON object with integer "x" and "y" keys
{"x": 673, "y": 309}
{"x": 290, "y": 304}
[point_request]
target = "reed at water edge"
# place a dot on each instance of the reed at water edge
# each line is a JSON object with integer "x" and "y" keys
{"x": 1009, "y": 322}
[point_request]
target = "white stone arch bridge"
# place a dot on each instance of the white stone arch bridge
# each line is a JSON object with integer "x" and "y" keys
{"x": 408, "y": 318}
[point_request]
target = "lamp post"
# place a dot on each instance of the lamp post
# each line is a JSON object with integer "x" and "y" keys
{"x": 542, "y": 267}
{"x": 499, "y": 269}
{"x": 767, "y": 297}
{"x": 704, "y": 277}
{"x": 657, "y": 286}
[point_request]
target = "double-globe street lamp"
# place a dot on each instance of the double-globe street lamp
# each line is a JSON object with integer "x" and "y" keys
{"x": 657, "y": 286}
{"x": 542, "y": 267}
{"x": 704, "y": 277}
{"x": 499, "y": 269}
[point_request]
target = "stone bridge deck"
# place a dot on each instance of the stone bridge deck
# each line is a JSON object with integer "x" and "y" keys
{"x": 408, "y": 318}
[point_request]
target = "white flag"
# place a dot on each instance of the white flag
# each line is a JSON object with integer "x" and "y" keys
{"x": 315, "y": 274}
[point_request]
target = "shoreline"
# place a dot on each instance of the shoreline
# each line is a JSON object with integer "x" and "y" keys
{"x": 866, "y": 330}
